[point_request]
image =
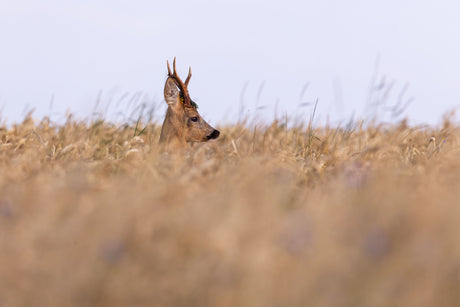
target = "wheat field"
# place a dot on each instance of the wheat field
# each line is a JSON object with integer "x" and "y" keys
{"x": 94, "y": 214}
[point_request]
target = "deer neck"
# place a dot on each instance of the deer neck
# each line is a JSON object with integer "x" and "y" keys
{"x": 172, "y": 129}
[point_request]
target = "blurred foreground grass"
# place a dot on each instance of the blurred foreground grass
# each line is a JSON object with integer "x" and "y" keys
{"x": 91, "y": 215}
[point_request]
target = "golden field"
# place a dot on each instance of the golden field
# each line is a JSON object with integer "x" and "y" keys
{"x": 94, "y": 214}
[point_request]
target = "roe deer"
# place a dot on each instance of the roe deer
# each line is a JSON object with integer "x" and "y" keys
{"x": 182, "y": 122}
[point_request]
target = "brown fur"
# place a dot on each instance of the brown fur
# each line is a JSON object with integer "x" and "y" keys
{"x": 178, "y": 125}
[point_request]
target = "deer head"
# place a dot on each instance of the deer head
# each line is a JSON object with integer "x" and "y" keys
{"x": 183, "y": 123}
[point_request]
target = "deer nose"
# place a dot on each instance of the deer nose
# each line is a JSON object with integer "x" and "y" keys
{"x": 213, "y": 135}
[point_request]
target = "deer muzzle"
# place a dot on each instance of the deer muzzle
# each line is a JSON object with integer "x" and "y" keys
{"x": 213, "y": 135}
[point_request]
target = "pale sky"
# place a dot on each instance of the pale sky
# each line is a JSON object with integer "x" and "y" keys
{"x": 72, "y": 50}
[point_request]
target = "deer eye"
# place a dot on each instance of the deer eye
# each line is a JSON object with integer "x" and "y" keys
{"x": 194, "y": 119}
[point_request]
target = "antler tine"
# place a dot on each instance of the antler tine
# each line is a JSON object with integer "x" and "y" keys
{"x": 189, "y": 75}
{"x": 174, "y": 67}
{"x": 169, "y": 69}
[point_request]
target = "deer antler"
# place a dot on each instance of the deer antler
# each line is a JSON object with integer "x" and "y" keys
{"x": 181, "y": 85}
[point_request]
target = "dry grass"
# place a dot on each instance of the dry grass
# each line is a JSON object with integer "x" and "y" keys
{"x": 272, "y": 216}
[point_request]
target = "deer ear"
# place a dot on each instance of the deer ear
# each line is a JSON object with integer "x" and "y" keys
{"x": 171, "y": 92}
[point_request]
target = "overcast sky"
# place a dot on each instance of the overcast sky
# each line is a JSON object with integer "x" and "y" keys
{"x": 266, "y": 55}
